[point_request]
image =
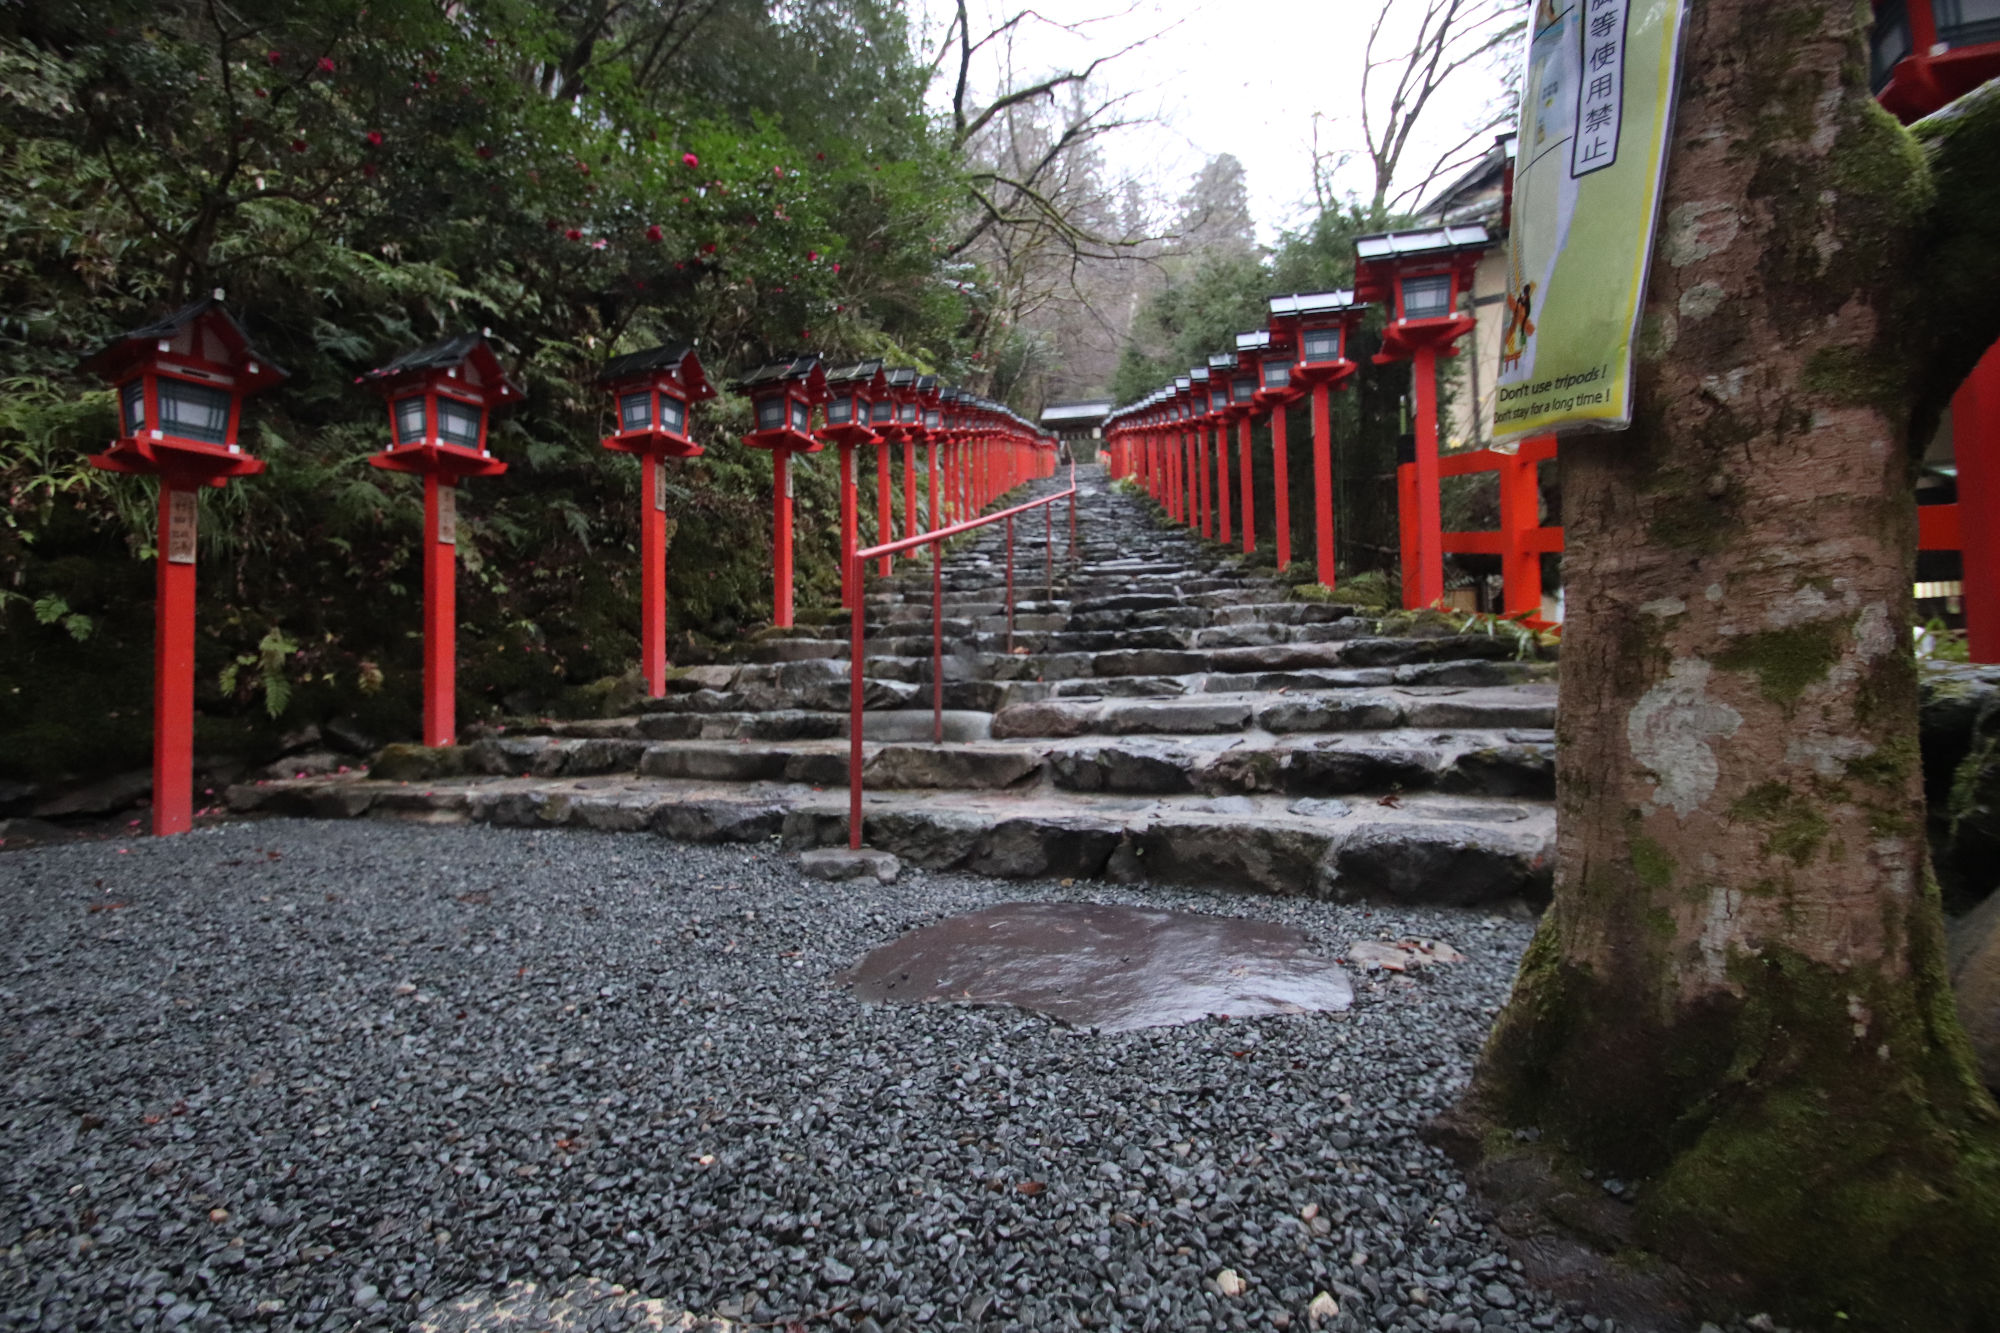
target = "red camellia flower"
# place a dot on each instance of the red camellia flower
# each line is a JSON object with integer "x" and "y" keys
{"x": 653, "y": 233}
{"x": 836, "y": 268}
{"x": 326, "y": 64}
{"x": 708, "y": 249}
{"x": 574, "y": 234}
{"x": 273, "y": 56}
{"x": 690, "y": 160}
{"x": 368, "y": 169}
{"x": 484, "y": 151}
{"x": 812, "y": 256}
{"x": 262, "y": 93}
{"x": 298, "y": 145}
{"x": 375, "y": 138}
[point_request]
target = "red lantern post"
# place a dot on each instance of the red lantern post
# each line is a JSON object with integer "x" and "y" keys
{"x": 1418, "y": 276}
{"x": 651, "y": 393}
{"x": 1318, "y": 325}
{"x": 1221, "y": 413}
{"x": 180, "y": 383}
{"x": 782, "y": 395}
{"x": 1274, "y": 393}
{"x": 852, "y": 392}
{"x": 439, "y": 398}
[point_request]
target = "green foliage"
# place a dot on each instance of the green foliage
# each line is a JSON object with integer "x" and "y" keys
{"x": 363, "y": 176}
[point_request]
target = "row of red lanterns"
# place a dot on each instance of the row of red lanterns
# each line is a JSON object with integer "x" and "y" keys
{"x": 181, "y": 382}
{"x": 1163, "y": 439}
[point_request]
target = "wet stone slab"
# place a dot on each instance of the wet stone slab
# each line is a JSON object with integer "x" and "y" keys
{"x": 1106, "y": 967}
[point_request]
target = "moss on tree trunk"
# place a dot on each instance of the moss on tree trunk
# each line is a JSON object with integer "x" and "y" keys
{"x": 1738, "y": 998}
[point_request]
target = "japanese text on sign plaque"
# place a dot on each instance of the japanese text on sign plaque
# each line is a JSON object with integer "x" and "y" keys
{"x": 1601, "y": 100}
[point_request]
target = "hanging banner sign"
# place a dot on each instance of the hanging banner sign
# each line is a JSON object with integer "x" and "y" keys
{"x": 1596, "y": 105}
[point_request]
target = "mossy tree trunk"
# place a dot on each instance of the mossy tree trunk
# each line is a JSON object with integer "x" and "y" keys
{"x": 1738, "y": 999}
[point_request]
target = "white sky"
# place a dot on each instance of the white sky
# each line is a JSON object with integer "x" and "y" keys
{"x": 1229, "y": 76}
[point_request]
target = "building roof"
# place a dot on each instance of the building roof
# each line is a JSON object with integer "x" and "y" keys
{"x": 781, "y": 370}
{"x": 1077, "y": 414}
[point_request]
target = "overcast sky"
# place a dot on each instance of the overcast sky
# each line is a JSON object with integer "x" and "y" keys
{"x": 1230, "y": 76}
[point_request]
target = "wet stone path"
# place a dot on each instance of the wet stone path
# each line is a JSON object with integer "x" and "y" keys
{"x": 364, "y": 1075}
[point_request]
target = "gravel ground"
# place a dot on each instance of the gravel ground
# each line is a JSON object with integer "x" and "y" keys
{"x": 301, "y": 1075}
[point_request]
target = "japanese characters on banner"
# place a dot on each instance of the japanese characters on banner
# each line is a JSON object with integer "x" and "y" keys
{"x": 1596, "y": 105}
{"x": 182, "y": 511}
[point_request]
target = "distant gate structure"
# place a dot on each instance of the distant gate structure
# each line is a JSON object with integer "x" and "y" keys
{"x": 1079, "y": 425}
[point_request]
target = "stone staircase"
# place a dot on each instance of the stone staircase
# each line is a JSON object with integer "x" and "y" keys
{"x": 1158, "y": 712}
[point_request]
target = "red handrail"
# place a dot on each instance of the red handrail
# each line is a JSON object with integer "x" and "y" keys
{"x": 857, "y": 647}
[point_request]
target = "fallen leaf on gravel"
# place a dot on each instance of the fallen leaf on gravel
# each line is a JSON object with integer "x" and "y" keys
{"x": 1030, "y": 1187}
{"x": 1401, "y": 955}
{"x": 1228, "y": 1283}
{"x": 1323, "y": 1308}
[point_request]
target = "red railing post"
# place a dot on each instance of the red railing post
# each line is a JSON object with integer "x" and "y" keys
{"x": 857, "y": 653}
{"x": 937, "y": 642}
{"x": 1010, "y": 584}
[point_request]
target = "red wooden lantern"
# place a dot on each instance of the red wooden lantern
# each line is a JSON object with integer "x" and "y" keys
{"x": 1418, "y": 276}
{"x": 1268, "y": 356}
{"x": 1318, "y": 325}
{"x": 651, "y": 393}
{"x": 180, "y": 383}
{"x": 439, "y": 398}
{"x": 851, "y": 394}
{"x": 1222, "y": 414}
{"x": 782, "y": 396}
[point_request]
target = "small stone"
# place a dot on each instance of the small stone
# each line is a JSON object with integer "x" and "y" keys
{"x": 842, "y": 863}
{"x": 835, "y": 1273}
{"x": 365, "y": 1295}
{"x": 218, "y": 1214}
{"x": 1498, "y": 1295}
{"x": 1323, "y": 1308}
{"x": 1228, "y": 1283}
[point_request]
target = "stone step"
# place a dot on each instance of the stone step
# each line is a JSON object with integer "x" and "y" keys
{"x": 1433, "y": 848}
{"x": 1493, "y": 763}
{"x": 1500, "y": 708}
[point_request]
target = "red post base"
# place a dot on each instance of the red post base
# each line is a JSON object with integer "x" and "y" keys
{"x": 440, "y": 610}
{"x": 884, "y": 505}
{"x": 653, "y": 574}
{"x": 173, "y": 664}
{"x": 1520, "y": 515}
{"x": 781, "y": 538}
{"x": 1322, "y": 410}
{"x": 1281, "y": 484}
{"x": 1249, "y": 491}
{"x": 1423, "y": 581}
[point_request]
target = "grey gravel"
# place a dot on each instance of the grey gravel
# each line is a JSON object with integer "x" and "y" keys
{"x": 291, "y": 1075}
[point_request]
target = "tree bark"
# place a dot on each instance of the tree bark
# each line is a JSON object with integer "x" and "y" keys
{"x": 1738, "y": 999}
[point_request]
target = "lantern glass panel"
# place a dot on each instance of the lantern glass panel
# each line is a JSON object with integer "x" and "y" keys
{"x": 673, "y": 414}
{"x": 800, "y": 415}
{"x": 458, "y": 423}
{"x": 906, "y": 412}
{"x": 410, "y": 419}
{"x": 771, "y": 413}
{"x": 934, "y": 418}
{"x": 1278, "y": 373}
{"x": 194, "y": 411}
{"x": 1427, "y": 297}
{"x": 635, "y": 411}
{"x": 840, "y": 412}
{"x": 1241, "y": 389}
{"x": 1322, "y": 345}
{"x": 132, "y": 397}
{"x": 882, "y": 411}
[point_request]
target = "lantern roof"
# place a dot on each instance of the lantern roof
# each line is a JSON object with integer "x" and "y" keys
{"x": 1256, "y": 340}
{"x": 1198, "y": 374}
{"x": 218, "y": 323}
{"x": 679, "y": 358}
{"x": 864, "y": 373}
{"x": 1222, "y": 363}
{"x": 1309, "y": 305}
{"x": 927, "y": 384}
{"x": 458, "y": 350}
{"x": 807, "y": 367}
{"x": 1422, "y": 243}
{"x": 1076, "y": 414}
{"x": 902, "y": 377}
